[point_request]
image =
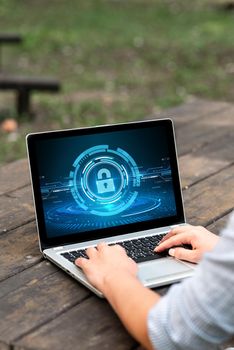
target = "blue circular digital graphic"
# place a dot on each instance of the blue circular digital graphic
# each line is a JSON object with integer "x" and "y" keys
{"x": 104, "y": 181}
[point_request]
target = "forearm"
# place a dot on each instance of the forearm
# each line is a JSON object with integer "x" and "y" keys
{"x": 132, "y": 302}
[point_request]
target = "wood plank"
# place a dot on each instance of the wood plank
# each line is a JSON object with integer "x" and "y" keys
{"x": 207, "y": 110}
{"x": 211, "y": 198}
{"x": 16, "y": 208}
{"x": 40, "y": 270}
{"x": 207, "y": 160}
{"x": 14, "y": 175}
{"x": 91, "y": 324}
{"x": 4, "y": 346}
{"x": 193, "y": 110}
{"x": 206, "y": 130}
{"x": 19, "y": 250}
{"x": 218, "y": 225}
{"x": 40, "y": 299}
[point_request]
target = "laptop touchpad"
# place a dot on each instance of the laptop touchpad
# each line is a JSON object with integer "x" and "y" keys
{"x": 155, "y": 269}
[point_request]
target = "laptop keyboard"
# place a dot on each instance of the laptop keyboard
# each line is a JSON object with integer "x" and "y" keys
{"x": 140, "y": 250}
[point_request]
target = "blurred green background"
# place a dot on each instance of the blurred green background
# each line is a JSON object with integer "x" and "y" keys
{"x": 117, "y": 60}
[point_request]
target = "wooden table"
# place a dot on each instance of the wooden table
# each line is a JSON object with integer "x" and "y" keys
{"x": 43, "y": 308}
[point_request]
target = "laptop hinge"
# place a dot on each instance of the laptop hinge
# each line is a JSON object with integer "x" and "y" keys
{"x": 58, "y": 248}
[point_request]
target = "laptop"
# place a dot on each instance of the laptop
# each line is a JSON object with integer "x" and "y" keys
{"x": 114, "y": 183}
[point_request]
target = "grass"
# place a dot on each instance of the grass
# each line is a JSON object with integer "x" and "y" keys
{"x": 117, "y": 60}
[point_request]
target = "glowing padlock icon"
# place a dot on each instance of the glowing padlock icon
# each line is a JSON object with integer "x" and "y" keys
{"x": 104, "y": 182}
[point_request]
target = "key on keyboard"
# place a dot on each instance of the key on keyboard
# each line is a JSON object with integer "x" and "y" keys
{"x": 140, "y": 250}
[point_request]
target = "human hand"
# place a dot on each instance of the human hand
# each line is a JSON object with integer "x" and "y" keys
{"x": 198, "y": 237}
{"x": 105, "y": 261}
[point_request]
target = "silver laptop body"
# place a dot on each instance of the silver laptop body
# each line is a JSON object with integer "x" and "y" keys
{"x": 109, "y": 183}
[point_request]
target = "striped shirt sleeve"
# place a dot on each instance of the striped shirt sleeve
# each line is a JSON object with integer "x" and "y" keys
{"x": 199, "y": 312}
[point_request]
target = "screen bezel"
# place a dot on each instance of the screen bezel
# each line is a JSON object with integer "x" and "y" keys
{"x": 47, "y": 242}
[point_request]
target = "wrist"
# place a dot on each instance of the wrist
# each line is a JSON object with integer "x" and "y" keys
{"x": 113, "y": 279}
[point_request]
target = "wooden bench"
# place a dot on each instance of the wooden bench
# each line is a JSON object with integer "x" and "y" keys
{"x": 223, "y": 4}
{"x": 8, "y": 38}
{"x": 24, "y": 86}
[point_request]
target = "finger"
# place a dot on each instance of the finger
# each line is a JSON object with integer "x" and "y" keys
{"x": 181, "y": 238}
{"x": 183, "y": 254}
{"x": 175, "y": 231}
{"x": 91, "y": 251}
{"x": 168, "y": 235}
{"x": 101, "y": 245}
{"x": 81, "y": 262}
{"x": 117, "y": 246}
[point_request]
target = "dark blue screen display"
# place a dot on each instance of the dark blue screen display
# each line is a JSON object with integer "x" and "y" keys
{"x": 102, "y": 180}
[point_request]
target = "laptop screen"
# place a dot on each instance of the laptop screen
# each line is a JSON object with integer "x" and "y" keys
{"x": 105, "y": 178}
